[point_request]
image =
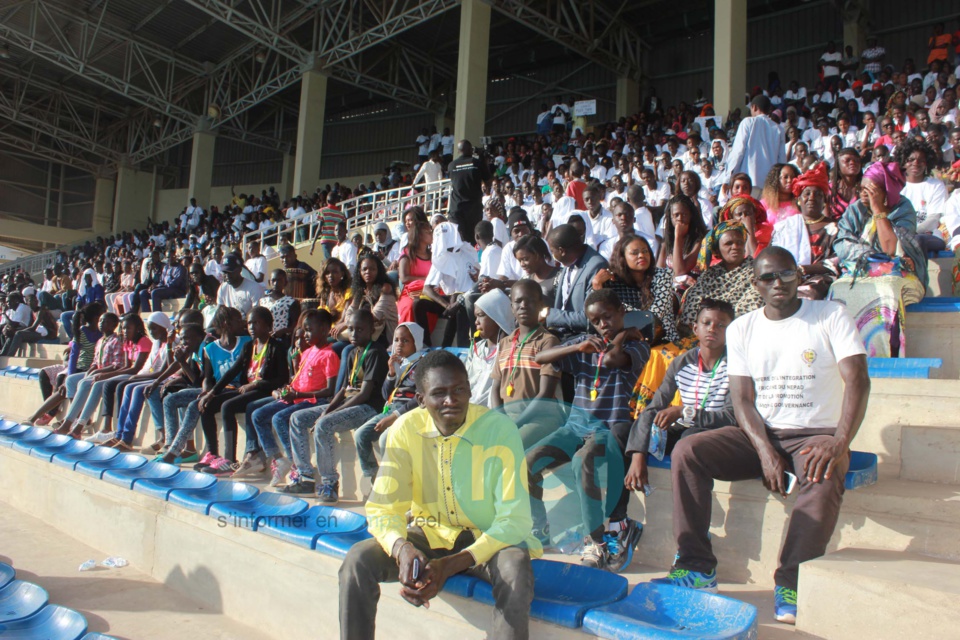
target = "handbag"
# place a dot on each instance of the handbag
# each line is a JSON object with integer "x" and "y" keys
{"x": 874, "y": 265}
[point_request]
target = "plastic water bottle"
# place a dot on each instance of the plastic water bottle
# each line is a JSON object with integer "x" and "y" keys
{"x": 88, "y": 565}
{"x": 114, "y": 562}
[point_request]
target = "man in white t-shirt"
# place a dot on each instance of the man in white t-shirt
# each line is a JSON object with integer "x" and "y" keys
{"x": 447, "y": 143}
{"x": 829, "y": 63}
{"x": 236, "y": 291}
{"x": 256, "y": 265}
{"x": 799, "y": 384}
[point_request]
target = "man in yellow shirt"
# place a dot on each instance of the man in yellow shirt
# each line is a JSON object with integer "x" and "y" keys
{"x": 459, "y": 470}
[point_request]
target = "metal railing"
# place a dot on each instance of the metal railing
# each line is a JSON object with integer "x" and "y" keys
{"x": 362, "y": 212}
{"x": 32, "y": 265}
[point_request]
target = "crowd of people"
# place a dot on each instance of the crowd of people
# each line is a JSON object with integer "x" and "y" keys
{"x": 670, "y": 284}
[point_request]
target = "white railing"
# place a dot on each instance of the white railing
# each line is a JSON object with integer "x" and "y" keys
{"x": 362, "y": 212}
{"x": 32, "y": 265}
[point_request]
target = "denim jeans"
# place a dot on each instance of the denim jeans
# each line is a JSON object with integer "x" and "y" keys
{"x": 177, "y": 434}
{"x": 110, "y": 390}
{"x": 323, "y": 435}
{"x": 253, "y": 439}
{"x": 72, "y": 382}
{"x": 364, "y": 437}
{"x": 128, "y": 417}
{"x": 274, "y": 416}
{"x": 86, "y": 400}
{"x": 66, "y": 319}
{"x": 155, "y": 402}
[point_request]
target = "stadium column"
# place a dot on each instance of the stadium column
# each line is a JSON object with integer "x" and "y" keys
{"x": 286, "y": 177}
{"x": 628, "y": 96}
{"x": 730, "y": 56}
{"x": 103, "y": 198}
{"x": 313, "y": 98}
{"x": 855, "y": 16}
{"x": 133, "y": 203}
{"x": 201, "y": 168}
{"x": 471, "y": 107}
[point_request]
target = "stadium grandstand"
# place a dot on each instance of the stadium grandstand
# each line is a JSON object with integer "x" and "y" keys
{"x": 488, "y": 318}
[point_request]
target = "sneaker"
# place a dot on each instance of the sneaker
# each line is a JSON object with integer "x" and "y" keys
{"x": 189, "y": 457}
{"x": 691, "y": 580}
{"x": 542, "y": 534}
{"x": 101, "y": 437}
{"x": 785, "y": 605}
{"x": 620, "y": 545}
{"x": 221, "y": 467}
{"x": 43, "y": 420}
{"x": 329, "y": 493}
{"x": 154, "y": 448}
{"x": 208, "y": 458}
{"x": 594, "y": 554}
{"x": 279, "y": 468}
{"x": 303, "y": 487}
{"x": 252, "y": 466}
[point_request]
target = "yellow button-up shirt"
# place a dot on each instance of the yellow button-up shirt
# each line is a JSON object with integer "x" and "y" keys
{"x": 474, "y": 479}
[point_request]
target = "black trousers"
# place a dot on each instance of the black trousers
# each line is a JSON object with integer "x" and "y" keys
{"x": 229, "y": 404}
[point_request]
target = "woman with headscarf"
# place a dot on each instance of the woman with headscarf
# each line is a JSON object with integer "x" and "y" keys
{"x": 884, "y": 267}
{"x": 810, "y": 236}
{"x": 751, "y": 213}
{"x": 89, "y": 290}
{"x": 730, "y": 280}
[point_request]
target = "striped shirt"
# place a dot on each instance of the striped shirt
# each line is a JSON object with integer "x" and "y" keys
{"x": 701, "y": 386}
{"x": 329, "y": 219}
{"x": 614, "y": 400}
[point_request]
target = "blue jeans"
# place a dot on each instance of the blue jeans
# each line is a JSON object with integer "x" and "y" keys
{"x": 177, "y": 434}
{"x": 156, "y": 411}
{"x": 364, "y": 438}
{"x": 128, "y": 417}
{"x": 72, "y": 382}
{"x": 323, "y": 436}
{"x": 110, "y": 390}
{"x": 275, "y": 416}
{"x": 86, "y": 399}
{"x": 66, "y": 319}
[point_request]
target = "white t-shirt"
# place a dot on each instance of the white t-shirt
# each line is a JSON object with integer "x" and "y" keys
{"x": 509, "y": 266}
{"x": 831, "y": 64}
{"x": 242, "y": 298}
{"x": 794, "y": 362}
{"x": 258, "y": 266}
{"x": 951, "y": 218}
{"x": 346, "y": 252}
{"x": 490, "y": 261}
{"x": 424, "y": 142}
{"x": 929, "y": 199}
{"x": 446, "y": 142}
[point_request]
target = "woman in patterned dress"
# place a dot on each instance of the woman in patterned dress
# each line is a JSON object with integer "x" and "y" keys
{"x": 285, "y": 309}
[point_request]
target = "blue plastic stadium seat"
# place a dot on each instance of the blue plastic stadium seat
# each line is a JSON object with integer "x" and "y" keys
{"x": 53, "y": 622}
{"x": 665, "y": 612}
{"x": 917, "y": 368}
{"x": 935, "y": 305}
{"x": 7, "y": 573}
{"x": 97, "y": 636}
{"x": 21, "y": 599}
{"x": 184, "y": 480}
{"x": 53, "y": 446}
{"x": 96, "y": 468}
{"x": 564, "y": 592}
{"x": 266, "y": 507}
{"x": 14, "y": 433}
{"x": 337, "y": 544}
{"x": 55, "y": 440}
{"x": 460, "y": 352}
{"x": 126, "y": 478}
{"x": 71, "y": 460}
{"x": 863, "y": 470}
{"x": 317, "y": 521}
{"x": 461, "y": 585}
{"x": 202, "y": 499}
{"x": 6, "y": 425}
{"x": 29, "y": 437}
{"x": 940, "y": 254}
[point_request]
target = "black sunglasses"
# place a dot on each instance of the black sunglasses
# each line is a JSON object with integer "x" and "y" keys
{"x": 787, "y": 275}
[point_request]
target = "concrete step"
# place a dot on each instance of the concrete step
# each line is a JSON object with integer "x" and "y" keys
{"x": 42, "y": 350}
{"x": 940, "y": 277}
{"x": 930, "y": 454}
{"x": 895, "y": 403}
{"x": 749, "y": 523}
{"x": 879, "y": 594}
{"x": 935, "y": 335}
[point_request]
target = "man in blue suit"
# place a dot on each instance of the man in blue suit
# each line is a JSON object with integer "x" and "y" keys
{"x": 579, "y": 263}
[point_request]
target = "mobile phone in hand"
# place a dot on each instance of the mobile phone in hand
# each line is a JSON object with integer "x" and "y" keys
{"x": 416, "y": 568}
{"x": 790, "y": 481}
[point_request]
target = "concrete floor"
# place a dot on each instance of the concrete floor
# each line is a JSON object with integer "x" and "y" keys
{"x": 123, "y": 603}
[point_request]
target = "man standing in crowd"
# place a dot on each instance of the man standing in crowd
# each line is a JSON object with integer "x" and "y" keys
{"x": 580, "y": 263}
{"x": 464, "y": 519}
{"x": 467, "y": 178}
{"x": 758, "y": 145}
{"x": 799, "y": 393}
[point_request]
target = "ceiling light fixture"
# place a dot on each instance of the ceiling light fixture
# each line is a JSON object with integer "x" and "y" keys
{"x": 260, "y": 56}
{"x": 157, "y": 123}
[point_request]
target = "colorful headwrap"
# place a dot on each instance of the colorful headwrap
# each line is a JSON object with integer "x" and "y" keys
{"x": 703, "y": 111}
{"x": 815, "y": 177}
{"x": 888, "y": 176}
{"x": 953, "y": 173}
{"x": 726, "y": 213}
{"x": 711, "y": 244}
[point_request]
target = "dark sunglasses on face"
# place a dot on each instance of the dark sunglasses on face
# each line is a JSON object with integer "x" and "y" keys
{"x": 787, "y": 275}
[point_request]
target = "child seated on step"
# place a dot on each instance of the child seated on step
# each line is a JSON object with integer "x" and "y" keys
{"x": 358, "y": 399}
{"x": 605, "y": 368}
{"x": 312, "y": 385}
{"x": 107, "y": 357}
{"x": 525, "y": 390}
{"x": 400, "y": 391}
{"x": 700, "y": 376}
{"x": 494, "y": 320}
